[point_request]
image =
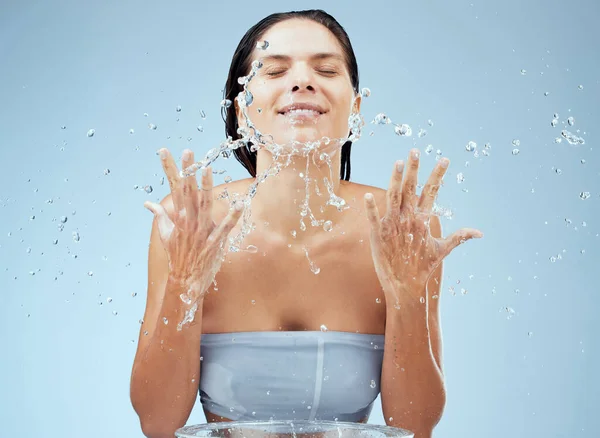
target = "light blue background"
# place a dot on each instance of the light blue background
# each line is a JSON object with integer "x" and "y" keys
{"x": 67, "y": 360}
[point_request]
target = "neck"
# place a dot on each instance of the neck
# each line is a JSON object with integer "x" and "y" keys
{"x": 279, "y": 199}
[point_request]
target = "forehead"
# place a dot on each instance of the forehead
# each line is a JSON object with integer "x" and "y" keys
{"x": 299, "y": 39}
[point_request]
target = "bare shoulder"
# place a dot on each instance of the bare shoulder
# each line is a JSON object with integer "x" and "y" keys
{"x": 220, "y": 195}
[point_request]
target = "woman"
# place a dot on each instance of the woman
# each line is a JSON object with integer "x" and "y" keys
{"x": 276, "y": 340}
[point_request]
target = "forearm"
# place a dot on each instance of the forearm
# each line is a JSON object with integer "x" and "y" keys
{"x": 433, "y": 319}
{"x": 165, "y": 377}
{"x": 413, "y": 394}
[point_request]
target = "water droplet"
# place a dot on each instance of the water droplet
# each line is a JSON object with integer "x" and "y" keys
{"x": 572, "y": 138}
{"x": 546, "y": 93}
{"x": 178, "y": 108}
{"x": 225, "y": 103}
{"x": 91, "y": 132}
{"x": 403, "y": 130}
{"x": 148, "y": 189}
{"x": 227, "y": 179}
{"x": 262, "y": 45}
{"x": 76, "y": 236}
{"x": 251, "y": 249}
{"x": 422, "y": 133}
{"x": 471, "y": 146}
{"x": 430, "y": 122}
{"x": 249, "y": 98}
{"x": 460, "y": 178}
{"x": 381, "y": 119}
{"x": 200, "y": 128}
{"x": 328, "y": 226}
{"x": 584, "y": 195}
{"x": 571, "y": 121}
{"x": 152, "y": 126}
{"x": 580, "y": 87}
{"x": 554, "y": 122}
{"x": 365, "y": 92}
{"x": 109, "y": 300}
{"x": 516, "y": 142}
{"x": 323, "y": 328}
{"x": 515, "y": 151}
{"x": 422, "y": 300}
{"x": 428, "y": 149}
{"x": 373, "y": 384}
{"x": 268, "y": 392}
{"x": 552, "y": 259}
{"x": 558, "y": 171}
{"x": 523, "y": 72}
{"x": 90, "y": 273}
{"x": 165, "y": 320}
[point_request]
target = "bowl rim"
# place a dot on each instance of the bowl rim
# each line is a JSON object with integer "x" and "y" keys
{"x": 388, "y": 430}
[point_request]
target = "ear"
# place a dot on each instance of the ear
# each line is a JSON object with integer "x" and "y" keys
{"x": 238, "y": 113}
{"x": 357, "y": 102}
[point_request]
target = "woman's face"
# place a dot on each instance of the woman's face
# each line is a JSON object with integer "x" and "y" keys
{"x": 303, "y": 66}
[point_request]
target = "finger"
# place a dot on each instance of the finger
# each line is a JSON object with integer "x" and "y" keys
{"x": 410, "y": 181}
{"x": 170, "y": 169}
{"x": 206, "y": 196}
{"x": 165, "y": 225}
{"x": 394, "y": 193}
{"x": 190, "y": 187}
{"x": 373, "y": 215}
{"x": 432, "y": 186}
{"x": 225, "y": 227}
{"x": 459, "y": 237}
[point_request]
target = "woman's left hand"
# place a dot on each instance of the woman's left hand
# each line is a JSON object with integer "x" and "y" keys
{"x": 404, "y": 252}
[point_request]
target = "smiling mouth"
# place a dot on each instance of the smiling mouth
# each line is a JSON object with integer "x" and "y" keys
{"x": 302, "y": 113}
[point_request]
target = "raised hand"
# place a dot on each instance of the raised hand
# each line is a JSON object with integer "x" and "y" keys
{"x": 193, "y": 242}
{"x": 404, "y": 252}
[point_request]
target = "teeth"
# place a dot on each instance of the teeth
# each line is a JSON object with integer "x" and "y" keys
{"x": 303, "y": 111}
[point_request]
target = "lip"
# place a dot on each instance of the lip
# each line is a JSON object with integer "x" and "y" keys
{"x": 300, "y": 105}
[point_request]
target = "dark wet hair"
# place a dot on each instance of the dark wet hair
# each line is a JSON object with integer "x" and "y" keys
{"x": 240, "y": 66}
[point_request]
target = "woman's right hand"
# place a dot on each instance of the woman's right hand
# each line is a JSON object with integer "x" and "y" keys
{"x": 193, "y": 242}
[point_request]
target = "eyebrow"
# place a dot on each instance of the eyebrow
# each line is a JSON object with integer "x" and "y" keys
{"x": 323, "y": 55}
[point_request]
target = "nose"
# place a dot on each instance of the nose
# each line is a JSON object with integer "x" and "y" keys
{"x": 299, "y": 87}
{"x": 302, "y": 79}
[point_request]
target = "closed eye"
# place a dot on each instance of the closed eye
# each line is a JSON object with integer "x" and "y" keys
{"x": 275, "y": 73}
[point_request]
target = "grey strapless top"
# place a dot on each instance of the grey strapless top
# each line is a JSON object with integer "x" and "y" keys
{"x": 293, "y": 375}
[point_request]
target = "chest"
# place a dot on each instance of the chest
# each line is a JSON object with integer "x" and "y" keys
{"x": 276, "y": 289}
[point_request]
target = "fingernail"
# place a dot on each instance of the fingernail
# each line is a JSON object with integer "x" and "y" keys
{"x": 400, "y": 166}
{"x": 162, "y": 153}
{"x": 204, "y": 171}
{"x": 444, "y": 162}
{"x": 415, "y": 155}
